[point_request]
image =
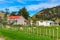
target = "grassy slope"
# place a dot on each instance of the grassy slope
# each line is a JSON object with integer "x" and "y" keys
{"x": 20, "y": 36}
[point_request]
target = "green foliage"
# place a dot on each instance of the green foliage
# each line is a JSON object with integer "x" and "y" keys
{"x": 5, "y": 15}
{"x": 4, "y": 23}
{"x": 23, "y": 12}
{"x": 13, "y": 14}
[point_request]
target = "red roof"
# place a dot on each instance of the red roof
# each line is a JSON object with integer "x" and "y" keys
{"x": 14, "y": 17}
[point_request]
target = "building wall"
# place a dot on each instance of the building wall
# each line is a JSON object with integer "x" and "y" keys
{"x": 45, "y": 23}
{"x": 20, "y": 21}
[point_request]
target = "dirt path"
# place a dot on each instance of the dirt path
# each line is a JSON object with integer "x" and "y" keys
{"x": 2, "y": 39}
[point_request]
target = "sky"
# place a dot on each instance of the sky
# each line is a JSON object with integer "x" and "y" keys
{"x": 32, "y": 6}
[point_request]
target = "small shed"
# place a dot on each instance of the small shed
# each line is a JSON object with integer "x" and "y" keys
{"x": 17, "y": 20}
{"x": 45, "y": 23}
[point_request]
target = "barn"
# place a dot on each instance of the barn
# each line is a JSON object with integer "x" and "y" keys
{"x": 17, "y": 20}
{"x": 45, "y": 23}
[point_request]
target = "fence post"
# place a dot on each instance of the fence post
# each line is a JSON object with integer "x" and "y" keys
{"x": 57, "y": 32}
{"x": 53, "y": 33}
{"x": 25, "y": 30}
{"x": 43, "y": 32}
{"x": 29, "y": 30}
{"x": 46, "y": 31}
{"x": 2, "y": 26}
{"x": 34, "y": 29}
{"x": 37, "y": 31}
{"x": 49, "y": 32}
{"x": 40, "y": 31}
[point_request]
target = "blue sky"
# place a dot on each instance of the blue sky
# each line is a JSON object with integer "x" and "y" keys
{"x": 32, "y": 6}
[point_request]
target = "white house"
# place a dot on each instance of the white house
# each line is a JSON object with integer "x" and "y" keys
{"x": 45, "y": 23}
{"x": 17, "y": 20}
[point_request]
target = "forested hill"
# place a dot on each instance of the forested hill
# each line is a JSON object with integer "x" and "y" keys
{"x": 48, "y": 14}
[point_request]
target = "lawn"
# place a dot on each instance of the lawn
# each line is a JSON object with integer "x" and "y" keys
{"x": 16, "y": 35}
{"x": 30, "y": 33}
{"x": 40, "y": 31}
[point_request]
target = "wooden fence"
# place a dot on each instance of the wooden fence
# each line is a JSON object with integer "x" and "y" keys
{"x": 45, "y": 32}
{"x": 53, "y": 33}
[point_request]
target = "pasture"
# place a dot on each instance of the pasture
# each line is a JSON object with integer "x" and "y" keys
{"x": 31, "y": 33}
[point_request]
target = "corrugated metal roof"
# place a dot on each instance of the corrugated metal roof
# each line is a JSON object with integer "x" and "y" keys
{"x": 14, "y": 17}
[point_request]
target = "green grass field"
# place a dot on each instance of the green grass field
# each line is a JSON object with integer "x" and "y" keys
{"x": 30, "y": 33}
{"x": 14, "y": 35}
{"x": 40, "y": 31}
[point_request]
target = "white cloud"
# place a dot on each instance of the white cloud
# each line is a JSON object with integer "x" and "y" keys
{"x": 53, "y": 0}
{"x": 21, "y": 1}
{"x": 6, "y": 1}
{"x": 43, "y": 5}
{"x": 2, "y": 0}
{"x": 12, "y": 1}
{"x": 14, "y": 8}
{"x": 33, "y": 0}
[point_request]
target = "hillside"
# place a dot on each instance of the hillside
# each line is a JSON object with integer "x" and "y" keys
{"x": 48, "y": 14}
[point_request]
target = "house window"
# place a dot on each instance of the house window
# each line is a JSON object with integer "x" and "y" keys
{"x": 50, "y": 23}
{"x": 25, "y": 21}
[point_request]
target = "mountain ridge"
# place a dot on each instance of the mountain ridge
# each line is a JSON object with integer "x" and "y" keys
{"x": 48, "y": 14}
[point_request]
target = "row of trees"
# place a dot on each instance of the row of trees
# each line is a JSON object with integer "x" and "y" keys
{"x": 22, "y": 12}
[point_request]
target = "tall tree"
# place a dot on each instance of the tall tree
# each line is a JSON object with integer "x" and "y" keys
{"x": 23, "y": 12}
{"x": 6, "y": 13}
{"x": 13, "y": 14}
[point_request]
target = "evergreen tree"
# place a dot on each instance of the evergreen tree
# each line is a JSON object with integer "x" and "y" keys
{"x": 13, "y": 14}
{"x": 23, "y": 12}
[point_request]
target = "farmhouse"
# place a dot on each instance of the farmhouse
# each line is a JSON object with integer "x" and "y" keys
{"x": 17, "y": 20}
{"x": 45, "y": 23}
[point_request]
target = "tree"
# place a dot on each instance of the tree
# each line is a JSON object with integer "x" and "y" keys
{"x": 6, "y": 13}
{"x": 13, "y": 14}
{"x": 23, "y": 12}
